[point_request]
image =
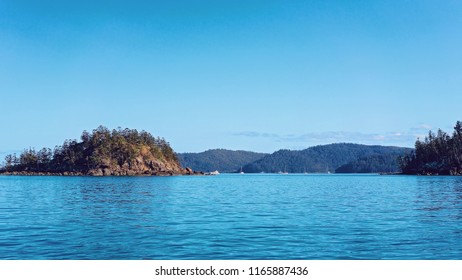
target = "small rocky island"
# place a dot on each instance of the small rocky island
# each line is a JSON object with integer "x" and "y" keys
{"x": 120, "y": 152}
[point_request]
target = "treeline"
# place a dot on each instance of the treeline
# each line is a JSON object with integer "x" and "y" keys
{"x": 437, "y": 154}
{"x": 101, "y": 147}
{"x": 320, "y": 159}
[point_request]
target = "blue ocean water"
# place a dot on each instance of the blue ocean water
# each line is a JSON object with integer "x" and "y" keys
{"x": 261, "y": 216}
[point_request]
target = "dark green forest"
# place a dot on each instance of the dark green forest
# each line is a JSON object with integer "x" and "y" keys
{"x": 387, "y": 163}
{"x": 117, "y": 152}
{"x": 323, "y": 158}
{"x": 437, "y": 154}
{"x": 225, "y": 161}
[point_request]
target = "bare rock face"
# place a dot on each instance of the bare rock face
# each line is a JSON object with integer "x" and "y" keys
{"x": 140, "y": 166}
{"x": 96, "y": 172}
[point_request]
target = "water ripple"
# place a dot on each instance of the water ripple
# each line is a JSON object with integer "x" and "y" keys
{"x": 231, "y": 217}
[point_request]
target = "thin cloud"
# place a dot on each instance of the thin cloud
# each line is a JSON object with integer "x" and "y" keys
{"x": 422, "y": 127}
{"x": 335, "y": 136}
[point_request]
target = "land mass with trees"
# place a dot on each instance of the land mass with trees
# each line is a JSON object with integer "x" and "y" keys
{"x": 120, "y": 152}
{"x": 339, "y": 157}
{"x": 380, "y": 163}
{"x": 437, "y": 154}
{"x": 126, "y": 152}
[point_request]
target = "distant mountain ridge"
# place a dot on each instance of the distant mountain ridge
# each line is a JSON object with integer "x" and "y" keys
{"x": 323, "y": 158}
{"x": 225, "y": 161}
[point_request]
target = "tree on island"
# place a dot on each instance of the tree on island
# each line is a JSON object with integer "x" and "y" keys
{"x": 437, "y": 154}
{"x": 101, "y": 152}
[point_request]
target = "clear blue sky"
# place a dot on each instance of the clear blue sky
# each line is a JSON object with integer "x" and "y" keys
{"x": 252, "y": 75}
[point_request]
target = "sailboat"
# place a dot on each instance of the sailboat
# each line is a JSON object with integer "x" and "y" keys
{"x": 285, "y": 171}
{"x": 242, "y": 172}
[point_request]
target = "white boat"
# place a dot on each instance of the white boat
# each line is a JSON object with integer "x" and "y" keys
{"x": 285, "y": 170}
{"x": 214, "y": 172}
{"x": 242, "y": 172}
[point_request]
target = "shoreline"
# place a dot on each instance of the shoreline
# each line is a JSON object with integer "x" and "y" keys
{"x": 82, "y": 174}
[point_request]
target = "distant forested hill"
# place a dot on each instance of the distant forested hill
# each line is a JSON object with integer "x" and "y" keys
{"x": 374, "y": 164}
{"x": 320, "y": 159}
{"x": 218, "y": 159}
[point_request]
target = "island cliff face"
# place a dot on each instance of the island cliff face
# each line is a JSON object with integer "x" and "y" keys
{"x": 144, "y": 163}
{"x": 120, "y": 152}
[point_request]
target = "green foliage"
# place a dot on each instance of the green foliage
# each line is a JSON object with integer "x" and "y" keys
{"x": 29, "y": 158}
{"x": 218, "y": 159}
{"x": 318, "y": 159}
{"x": 100, "y": 148}
{"x": 439, "y": 153}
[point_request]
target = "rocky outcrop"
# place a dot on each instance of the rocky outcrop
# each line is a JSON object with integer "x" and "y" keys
{"x": 136, "y": 167}
{"x": 142, "y": 166}
{"x": 121, "y": 152}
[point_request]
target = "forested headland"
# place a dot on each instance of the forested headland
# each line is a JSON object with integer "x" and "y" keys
{"x": 120, "y": 152}
{"x": 437, "y": 154}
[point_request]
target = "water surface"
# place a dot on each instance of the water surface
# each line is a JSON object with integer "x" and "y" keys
{"x": 261, "y": 216}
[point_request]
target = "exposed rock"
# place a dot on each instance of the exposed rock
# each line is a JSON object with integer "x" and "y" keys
{"x": 96, "y": 172}
{"x": 106, "y": 153}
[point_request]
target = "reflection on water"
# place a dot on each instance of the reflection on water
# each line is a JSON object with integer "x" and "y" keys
{"x": 442, "y": 196}
{"x": 260, "y": 216}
